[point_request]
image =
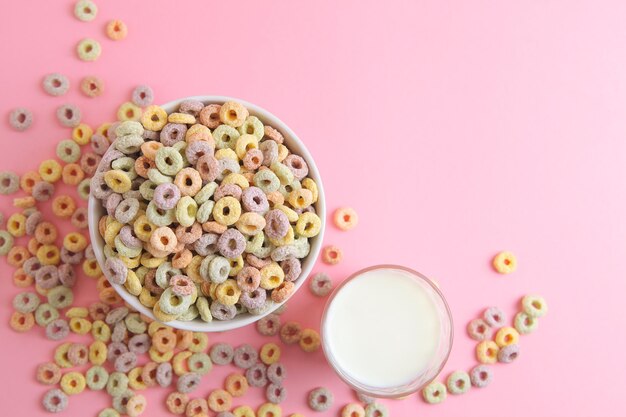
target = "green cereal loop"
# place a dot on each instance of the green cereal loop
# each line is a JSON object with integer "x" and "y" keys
{"x": 108, "y": 412}
{"x": 225, "y": 137}
{"x": 525, "y": 324}
{"x": 202, "y": 304}
{"x": 292, "y": 186}
{"x": 129, "y": 144}
{"x": 124, "y": 250}
{"x": 117, "y": 384}
{"x": 126, "y": 164}
{"x": 283, "y": 173}
{"x": 157, "y": 178}
{"x": 174, "y": 304}
{"x": 129, "y": 127}
{"x": 190, "y": 314}
{"x": 219, "y": 268}
{"x": 84, "y": 188}
{"x": 434, "y": 393}
{"x": 186, "y": 210}
{"x": 26, "y": 302}
{"x": 267, "y": 181}
{"x": 6, "y": 242}
{"x": 68, "y": 151}
{"x": 181, "y": 147}
{"x": 46, "y": 314}
{"x": 159, "y": 217}
{"x": 164, "y": 272}
{"x": 147, "y": 189}
{"x": 204, "y": 212}
{"x": 264, "y": 251}
{"x": 88, "y": 49}
{"x": 204, "y": 267}
{"x": 252, "y": 126}
{"x": 534, "y": 306}
{"x": 60, "y": 297}
{"x": 168, "y": 161}
{"x": 85, "y": 10}
{"x": 200, "y": 363}
{"x": 458, "y": 382}
{"x": 301, "y": 247}
{"x": 120, "y": 401}
{"x": 255, "y": 243}
{"x": 206, "y": 192}
{"x": 96, "y": 378}
{"x": 135, "y": 324}
{"x": 109, "y": 252}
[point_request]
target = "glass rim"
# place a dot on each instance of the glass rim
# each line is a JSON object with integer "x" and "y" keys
{"x": 373, "y": 391}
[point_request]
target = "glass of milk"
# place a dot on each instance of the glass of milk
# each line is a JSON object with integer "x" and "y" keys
{"x": 387, "y": 331}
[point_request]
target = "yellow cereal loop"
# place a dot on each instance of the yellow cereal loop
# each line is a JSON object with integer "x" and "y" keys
{"x": 300, "y": 199}
{"x": 143, "y": 228}
{"x": 160, "y": 357}
{"x": 97, "y": 352}
{"x": 155, "y": 326}
{"x": 244, "y": 411}
{"x": 228, "y": 292}
{"x": 117, "y": 180}
{"x": 131, "y": 263}
{"x": 227, "y": 210}
{"x": 270, "y": 353}
{"x": 103, "y": 129}
{"x": 112, "y": 230}
{"x": 82, "y": 133}
{"x": 79, "y": 325}
{"x": 292, "y": 216}
{"x": 237, "y": 179}
{"x": 285, "y": 240}
{"x": 272, "y": 276}
{"x": 161, "y": 316}
{"x": 487, "y": 352}
{"x": 150, "y": 261}
{"x": 48, "y": 255}
{"x": 154, "y": 118}
{"x": 147, "y": 299}
{"x": 244, "y": 144}
{"x": 50, "y": 170}
{"x": 91, "y": 268}
{"x": 505, "y": 262}
{"x": 199, "y": 342}
{"x": 506, "y": 336}
{"x": 73, "y": 383}
{"x": 308, "y": 225}
{"x": 226, "y": 153}
{"x": 78, "y": 312}
{"x": 128, "y": 112}
{"x": 183, "y": 118}
{"x": 309, "y": 184}
{"x": 100, "y": 331}
{"x": 283, "y": 152}
{"x": 16, "y": 225}
{"x": 134, "y": 379}
{"x": 236, "y": 265}
{"x": 132, "y": 284}
{"x": 75, "y": 242}
{"x": 60, "y": 355}
{"x": 179, "y": 362}
{"x": 269, "y": 410}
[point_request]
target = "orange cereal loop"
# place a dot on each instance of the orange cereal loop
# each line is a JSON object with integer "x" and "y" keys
{"x": 110, "y": 296}
{"x": 164, "y": 340}
{"x": 505, "y": 262}
{"x": 63, "y": 206}
{"x": 49, "y": 255}
{"x": 116, "y": 30}
{"x": 183, "y": 339}
{"x": 310, "y": 340}
{"x": 345, "y": 218}
{"x": 102, "y": 225}
{"x": 21, "y": 279}
{"x": 24, "y": 202}
{"x": 102, "y": 284}
{"x": 17, "y": 256}
{"x": 28, "y": 181}
{"x": 236, "y": 384}
{"x": 72, "y": 174}
{"x": 220, "y": 400}
{"x": 214, "y": 227}
{"x": 142, "y": 165}
{"x": 332, "y": 255}
{"x": 33, "y": 246}
{"x": 46, "y": 233}
{"x": 233, "y": 113}
{"x": 21, "y": 322}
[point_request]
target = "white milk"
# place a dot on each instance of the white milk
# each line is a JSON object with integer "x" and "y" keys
{"x": 382, "y": 328}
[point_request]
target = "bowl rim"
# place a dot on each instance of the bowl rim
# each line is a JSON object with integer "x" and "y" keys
{"x": 95, "y": 210}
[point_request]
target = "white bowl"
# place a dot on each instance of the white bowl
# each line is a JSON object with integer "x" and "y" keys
{"x": 96, "y": 211}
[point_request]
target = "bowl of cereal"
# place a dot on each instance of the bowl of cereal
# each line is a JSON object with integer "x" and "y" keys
{"x": 207, "y": 214}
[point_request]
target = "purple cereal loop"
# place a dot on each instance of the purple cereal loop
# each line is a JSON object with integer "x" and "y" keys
{"x": 150, "y": 135}
{"x": 207, "y": 167}
{"x": 99, "y": 188}
{"x": 494, "y": 317}
{"x": 42, "y": 191}
{"x": 282, "y": 253}
{"x": 47, "y": 277}
{"x": 196, "y": 150}
{"x": 32, "y": 221}
{"x": 245, "y": 356}
{"x": 68, "y": 115}
{"x": 481, "y": 376}
{"x": 257, "y": 375}
{"x": 125, "y": 362}
{"x": 56, "y": 84}
{"x": 31, "y": 266}
{"x": 253, "y": 159}
{"x": 57, "y": 329}
{"x": 275, "y": 393}
{"x": 115, "y": 350}
{"x": 164, "y": 374}
{"x": 276, "y": 372}
{"x": 89, "y": 162}
{"x": 89, "y": 253}
{"x": 111, "y": 155}
{"x": 297, "y": 165}
{"x": 166, "y": 196}
{"x": 210, "y": 116}
{"x": 55, "y": 401}
{"x": 192, "y": 107}
{"x": 139, "y": 343}
{"x": 188, "y": 382}
{"x": 292, "y": 268}
{"x": 270, "y": 152}
{"x": 128, "y": 238}
{"x": 67, "y": 276}
{"x": 79, "y": 218}
{"x": 269, "y": 325}
{"x": 248, "y": 279}
{"x": 111, "y": 203}
{"x": 120, "y": 332}
{"x": 69, "y": 257}
{"x": 221, "y": 353}
{"x": 508, "y": 354}
{"x": 20, "y": 118}
{"x": 99, "y": 143}
{"x": 127, "y": 210}
{"x": 111, "y": 135}
{"x": 116, "y": 270}
{"x": 78, "y": 354}
{"x": 173, "y": 133}
{"x": 116, "y": 315}
{"x": 142, "y": 96}
{"x": 231, "y": 243}
{"x": 276, "y": 224}
{"x": 253, "y": 299}
{"x": 224, "y": 190}
{"x": 206, "y": 244}
{"x": 182, "y": 285}
{"x": 320, "y": 284}
{"x": 479, "y": 330}
{"x": 222, "y": 312}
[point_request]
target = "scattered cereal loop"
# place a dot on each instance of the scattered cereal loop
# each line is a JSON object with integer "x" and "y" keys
{"x": 92, "y": 86}
{"x": 85, "y": 10}
{"x": 332, "y": 255}
{"x": 88, "y": 49}
{"x": 20, "y": 118}
{"x": 56, "y": 84}
{"x": 345, "y": 218}
{"x": 116, "y": 30}
{"x": 505, "y": 262}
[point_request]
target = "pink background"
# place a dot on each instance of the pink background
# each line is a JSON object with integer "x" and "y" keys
{"x": 455, "y": 129}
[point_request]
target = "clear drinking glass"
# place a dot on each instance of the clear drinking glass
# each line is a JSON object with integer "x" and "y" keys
{"x": 439, "y": 358}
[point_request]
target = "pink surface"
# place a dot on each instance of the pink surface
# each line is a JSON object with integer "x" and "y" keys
{"x": 456, "y": 129}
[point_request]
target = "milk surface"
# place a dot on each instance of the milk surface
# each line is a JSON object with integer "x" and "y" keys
{"x": 382, "y": 328}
